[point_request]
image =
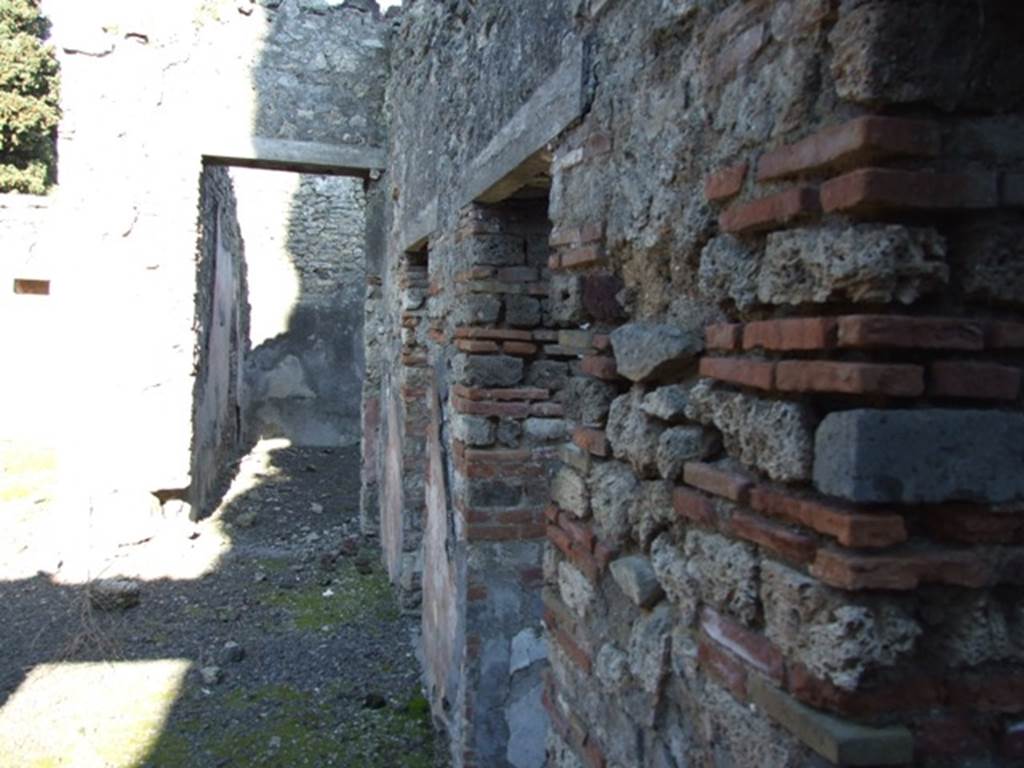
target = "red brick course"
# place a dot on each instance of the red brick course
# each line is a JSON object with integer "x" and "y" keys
{"x": 501, "y": 334}
{"x": 518, "y": 348}
{"x": 576, "y": 234}
{"x": 582, "y": 256}
{"x": 476, "y": 346}
{"x": 511, "y": 393}
{"x": 717, "y": 481}
{"x": 725, "y": 183}
{"x": 849, "y": 527}
{"x": 798, "y": 334}
{"x": 722, "y": 666}
{"x": 1005, "y": 335}
{"x": 753, "y": 648}
{"x": 600, "y": 367}
{"x": 784, "y": 542}
{"x": 594, "y": 441}
{"x": 491, "y": 408}
{"x": 860, "y": 141}
{"x": 875, "y": 190}
{"x": 849, "y": 378}
{"x": 968, "y": 524}
{"x": 984, "y": 381}
{"x": 900, "y": 331}
{"x": 771, "y": 212}
{"x": 693, "y": 506}
{"x": 850, "y": 570}
{"x": 739, "y": 371}
{"x": 724, "y": 337}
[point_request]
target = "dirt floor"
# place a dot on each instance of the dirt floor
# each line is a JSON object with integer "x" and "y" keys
{"x": 266, "y": 635}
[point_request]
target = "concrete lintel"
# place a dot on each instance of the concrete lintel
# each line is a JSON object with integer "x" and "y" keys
{"x": 300, "y": 156}
{"x": 510, "y": 159}
{"x": 415, "y": 229}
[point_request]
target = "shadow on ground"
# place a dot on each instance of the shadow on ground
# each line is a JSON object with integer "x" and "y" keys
{"x": 288, "y": 650}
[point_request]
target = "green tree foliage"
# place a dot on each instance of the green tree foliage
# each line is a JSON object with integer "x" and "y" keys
{"x": 29, "y": 99}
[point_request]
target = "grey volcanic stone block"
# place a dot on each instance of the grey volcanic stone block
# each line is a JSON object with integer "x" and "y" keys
{"x": 644, "y": 351}
{"x": 839, "y": 741}
{"x": 728, "y": 271}
{"x": 496, "y": 250}
{"x": 522, "y": 311}
{"x": 667, "y": 403}
{"x": 473, "y": 430}
{"x": 636, "y": 579}
{"x": 863, "y": 263}
{"x": 569, "y": 491}
{"x": 487, "y": 370}
{"x": 114, "y": 594}
{"x": 477, "y": 309}
{"x": 924, "y": 456}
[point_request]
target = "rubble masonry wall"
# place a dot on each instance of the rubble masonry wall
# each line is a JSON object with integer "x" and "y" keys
{"x": 783, "y": 291}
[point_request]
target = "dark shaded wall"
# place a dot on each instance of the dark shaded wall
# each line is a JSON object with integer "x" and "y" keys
{"x": 307, "y": 276}
{"x": 321, "y": 74}
{"x": 222, "y": 342}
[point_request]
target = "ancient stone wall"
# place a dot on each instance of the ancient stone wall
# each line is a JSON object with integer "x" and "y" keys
{"x": 221, "y": 342}
{"x": 118, "y": 238}
{"x": 305, "y": 249}
{"x": 782, "y": 292}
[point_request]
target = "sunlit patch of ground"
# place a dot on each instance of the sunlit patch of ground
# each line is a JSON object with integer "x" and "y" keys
{"x": 89, "y": 715}
{"x": 319, "y": 635}
{"x": 78, "y": 535}
{"x": 28, "y": 472}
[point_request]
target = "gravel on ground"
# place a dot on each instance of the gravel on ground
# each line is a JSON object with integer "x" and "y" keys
{"x": 265, "y": 635}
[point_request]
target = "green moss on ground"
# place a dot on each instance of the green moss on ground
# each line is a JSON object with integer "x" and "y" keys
{"x": 298, "y": 732}
{"x": 355, "y": 597}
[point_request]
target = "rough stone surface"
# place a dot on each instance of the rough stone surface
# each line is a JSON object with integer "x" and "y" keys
{"x": 477, "y": 431}
{"x": 636, "y": 579}
{"x": 922, "y": 456}
{"x": 611, "y": 667}
{"x": 478, "y": 310}
{"x": 994, "y": 255}
{"x": 667, "y": 403}
{"x": 648, "y": 352}
{"x": 576, "y": 592}
{"x": 726, "y": 573}
{"x": 870, "y": 63}
{"x": 673, "y": 572}
{"x": 867, "y": 263}
{"x": 649, "y": 646}
{"x": 678, "y": 445}
{"x": 211, "y": 675}
{"x": 545, "y": 430}
{"x": 522, "y": 311}
{"x": 305, "y": 371}
{"x": 509, "y": 432}
{"x": 651, "y": 510}
{"x": 561, "y": 754}
{"x": 975, "y": 629}
{"x": 632, "y": 435}
{"x": 569, "y": 491}
{"x": 837, "y": 641}
{"x": 587, "y": 400}
{"x": 839, "y": 741}
{"x": 115, "y": 594}
{"x": 772, "y": 436}
{"x": 566, "y": 305}
{"x": 745, "y": 739}
{"x": 729, "y": 272}
{"x": 549, "y": 374}
{"x": 612, "y": 486}
{"x": 488, "y": 370}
